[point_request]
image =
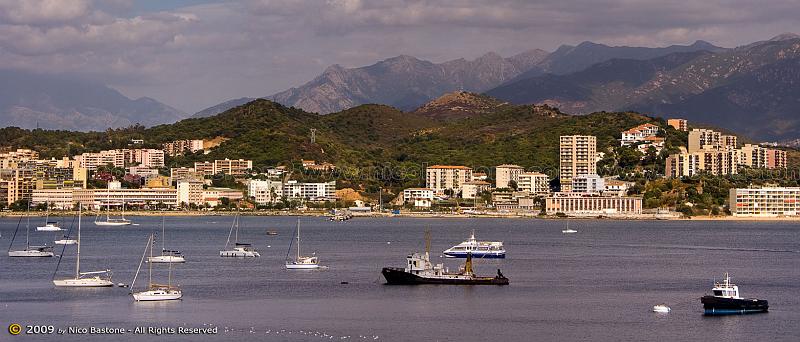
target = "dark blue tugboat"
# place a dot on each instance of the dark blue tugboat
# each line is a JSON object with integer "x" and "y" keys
{"x": 725, "y": 300}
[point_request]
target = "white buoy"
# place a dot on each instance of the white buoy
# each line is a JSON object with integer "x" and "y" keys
{"x": 661, "y": 308}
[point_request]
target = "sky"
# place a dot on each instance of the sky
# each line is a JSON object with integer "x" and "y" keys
{"x": 195, "y": 54}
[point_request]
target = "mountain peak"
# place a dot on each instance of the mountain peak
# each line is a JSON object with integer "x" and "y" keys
{"x": 458, "y": 104}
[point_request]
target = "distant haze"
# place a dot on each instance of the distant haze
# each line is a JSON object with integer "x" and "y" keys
{"x": 195, "y": 54}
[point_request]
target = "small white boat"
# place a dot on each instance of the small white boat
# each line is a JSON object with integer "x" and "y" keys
{"x": 301, "y": 262}
{"x": 66, "y": 241}
{"x": 155, "y": 292}
{"x": 167, "y": 256}
{"x": 49, "y": 227}
{"x": 661, "y": 308}
{"x": 113, "y": 222}
{"x": 84, "y": 279}
{"x": 478, "y": 249}
{"x": 240, "y": 250}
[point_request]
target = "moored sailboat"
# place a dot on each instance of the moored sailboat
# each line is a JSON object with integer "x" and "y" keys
{"x": 244, "y": 250}
{"x": 167, "y": 256}
{"x": 84, "y": 279}
{"x": 113, "y": 222}
{"x": 49, "y": 226}
{"x": 29, "y": 251}
{"x": 155, "y": 292}
{"x": 301, "y": 262}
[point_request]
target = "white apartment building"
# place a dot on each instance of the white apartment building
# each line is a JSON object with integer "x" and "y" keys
{"x": 506, "y": 173}
{"x": 715, "y": 161}
{"x": 421, "y": 197}
{"x": 443, "y": 177}
{"x": 577, "y": 204}
{"x": 149, "y": 158}
{"x": 265, "y": 191}
{"x": 224, "y": 166}
{"x": 577, "y": 156}
{"x": 588, "y": 183}
{"x": 765, "y": 202}
{"x": 534, "y": 182}
{"x": 115, "y": 197}
{"x": 190, "y": 192}
{"x": 639, "y": 133}
{"x": 310, "y": 191}
{"x": 179, "y": 147}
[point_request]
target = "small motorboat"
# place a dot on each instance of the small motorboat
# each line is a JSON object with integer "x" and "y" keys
{"x": 725, "y": 300}
{"x": 272, "y": 232}
{"x": 569, "y": 231}
{"x": 661, "y": 308}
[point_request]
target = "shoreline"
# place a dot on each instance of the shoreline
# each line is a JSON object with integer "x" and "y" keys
{"x": 324, "y": 213}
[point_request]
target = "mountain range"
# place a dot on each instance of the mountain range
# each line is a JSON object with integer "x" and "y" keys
{"x": 57, "y": 102}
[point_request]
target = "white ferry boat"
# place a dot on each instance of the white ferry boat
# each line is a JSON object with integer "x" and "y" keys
{"x": 478, "y": 249}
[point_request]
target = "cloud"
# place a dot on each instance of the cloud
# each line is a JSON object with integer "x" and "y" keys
{"x": 42, "y": 11}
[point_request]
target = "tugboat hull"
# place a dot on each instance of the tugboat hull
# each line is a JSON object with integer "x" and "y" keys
{"x": 398, "y": 276}
{"x": 731, "y": 306}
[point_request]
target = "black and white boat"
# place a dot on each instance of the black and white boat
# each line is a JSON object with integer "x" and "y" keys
{"x": 725, "y": 300}
{"x": 420, "y": 270}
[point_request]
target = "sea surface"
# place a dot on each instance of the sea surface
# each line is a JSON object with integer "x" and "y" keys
{"x": 596, "y": 285}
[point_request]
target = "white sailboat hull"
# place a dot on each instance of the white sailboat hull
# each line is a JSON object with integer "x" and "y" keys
{"x": 166, "y": 259}
{"x": 293, "y": 266}
{"x": 112, "y": 224}
{"x": 66, "y": 242}
{"x": 239, "y": 254}
{"x": 48, "y": 229}
{"x": 157, "y": 295}
{"x": 31, "y": 254}
{"x": 83, "y": 282}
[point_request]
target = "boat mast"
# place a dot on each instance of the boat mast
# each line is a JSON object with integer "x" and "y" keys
{"x": 141, "y": 261}
{"x": 427, "y": 243}
{"x": 28, "y": 227}
{"x": 298, "y": 239}
{"x": 78, "y": 257}
{"x": 150, "y": 264}
{"x": 162, "y": 235}
{"x": 236, "y": 220}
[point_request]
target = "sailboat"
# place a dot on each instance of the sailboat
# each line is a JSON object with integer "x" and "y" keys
{"x": 301, "y": 262}
{"x": 29, "y": 251}
{"x": 155, "y": 292}
{"x": 239, "y": 249}
{"x": 49, "y": 226}
{"x": 567, "y": 230}
{"x": 167, "y": 256}
{"x": 113, "y": 221}
{"x": 84, "y": 279}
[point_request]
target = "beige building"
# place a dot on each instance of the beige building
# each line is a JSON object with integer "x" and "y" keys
{"x": 534, "y": 182}
{"x": 765, "y": 202}
{"x": 506, "y": 173}
{"x": 473, "y": 189}
{"x": 576, "y": 204}
{"x": 776, "y": 159}
{"x": 60, "y": 199}
{"x": 447, "y": 177}
{"x": 577, "y": 156}
{"x": 224, "y": 166}
{"x": 715, "y": 161}
{"x": 699, "y": 138}
{"x": 679, "y": 124}
{"x": 179, "y": 147}
{"x": 115, "y": 197}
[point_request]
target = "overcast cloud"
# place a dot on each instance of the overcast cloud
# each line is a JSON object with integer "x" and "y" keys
{"x": 194, "y": 55}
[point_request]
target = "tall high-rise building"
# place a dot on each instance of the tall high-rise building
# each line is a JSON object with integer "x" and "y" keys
{"x": 679, "y": 124}
{"x": 447, "y": 177}
{"x": 578, "y": 157}
{"x": 699, "y": 138}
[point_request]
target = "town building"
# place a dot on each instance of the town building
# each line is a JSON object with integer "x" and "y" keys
{"x": 442, "y": 178}
{"x": 711, "y": 160}
{"x": 179, "y": 147}
{"x": 505, "y": 201}
{"x": 115, "y": 196}
{"x": 213, "y": 196}
{"x": 639, "y": 133}
{"x": 534, "y": 182}
{"x": 764, "y": 201}
{"x": 265, "y": 191}
{"x": 60, "y": 199}
{"x": 577, "y": 157}
{"x": 615, "y": 187}
{"x": 506, "y": 174}
{"x": 776, "y": 159}
{"x": 148, "y": 158}
{"x": 699, "y": 138}
{"x": 473, "y": 189}
{"x": 420, "y": 197}
{"x": 588, "y": 183}
{"x": 583, "y": 204}
{"x": 190, "y": 192}
{"x": 679, "y": 124}
{"x": 325, "y": 191}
